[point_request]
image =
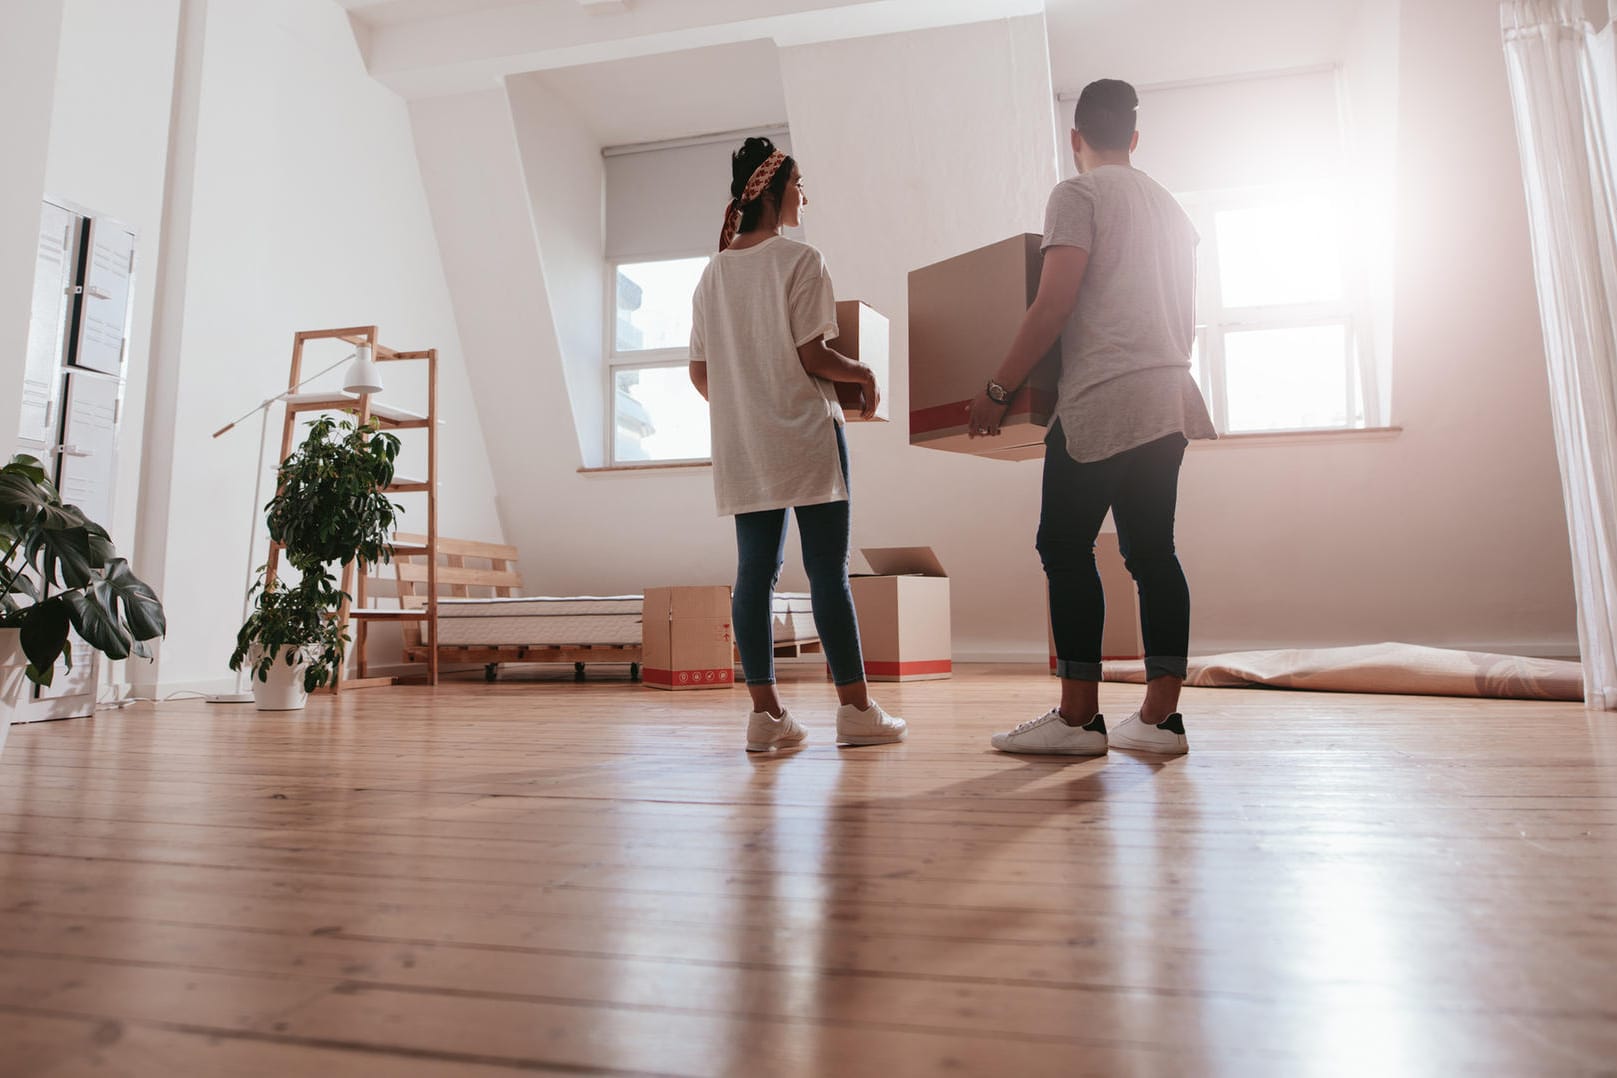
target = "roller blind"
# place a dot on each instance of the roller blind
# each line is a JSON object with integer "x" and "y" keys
{"x": 663, "y": 203}
{"x": 1238, "y": 133}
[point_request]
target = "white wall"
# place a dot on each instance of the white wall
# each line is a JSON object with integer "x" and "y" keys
{"x": 28, "y": 51}
{"x": 302, "y": 209}
{"x": 563, "y": 174}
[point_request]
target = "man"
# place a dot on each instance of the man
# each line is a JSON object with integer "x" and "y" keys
{"x": 1118, "y": 287}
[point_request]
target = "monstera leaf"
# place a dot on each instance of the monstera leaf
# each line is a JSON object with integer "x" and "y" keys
{"x": 92, "y": 616}
{"x": 43, "y": 635}
{"x": 64, "y": 555}
{"x": 137, "y": 603}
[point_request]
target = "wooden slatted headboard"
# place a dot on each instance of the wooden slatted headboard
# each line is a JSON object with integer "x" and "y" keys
{"x": 467, "y": 569}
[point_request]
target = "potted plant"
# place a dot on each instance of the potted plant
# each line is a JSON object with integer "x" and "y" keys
{"x": 60, "y": 572}
{"x": 290, "y": 642}
{"x": 330, "y": 508}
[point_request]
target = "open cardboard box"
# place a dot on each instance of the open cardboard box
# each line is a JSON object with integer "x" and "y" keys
{"x": 903, "y": 607}
{"x": 686, "y": 638}
{"x": 862, "y": 334}
{"x": 964, "y": 312}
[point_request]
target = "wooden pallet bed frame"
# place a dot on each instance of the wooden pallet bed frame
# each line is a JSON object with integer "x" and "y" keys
{"x": 493, "y": 574}
{"x": 469, "y": 569}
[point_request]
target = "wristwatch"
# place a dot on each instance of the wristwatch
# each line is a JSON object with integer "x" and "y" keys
{"x": 998, "y": 393}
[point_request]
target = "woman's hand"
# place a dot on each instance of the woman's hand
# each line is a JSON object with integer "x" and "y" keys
{"x": 867, "y": 385}
{"x": 985, "y": 417}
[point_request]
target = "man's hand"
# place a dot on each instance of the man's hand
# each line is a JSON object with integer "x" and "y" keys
{"x": 985, "y": 417}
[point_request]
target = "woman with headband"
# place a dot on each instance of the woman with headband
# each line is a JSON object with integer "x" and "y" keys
{"x": 761, "y": 317}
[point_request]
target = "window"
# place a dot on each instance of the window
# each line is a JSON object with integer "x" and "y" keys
{"x": 1279, "y": 343}
{"x": 656, "y": 414}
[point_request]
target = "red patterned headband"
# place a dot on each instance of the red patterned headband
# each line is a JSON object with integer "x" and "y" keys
{"x": 756, "y": 185}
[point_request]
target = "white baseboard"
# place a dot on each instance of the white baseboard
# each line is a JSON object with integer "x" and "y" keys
{"x": 1537, "y": 649}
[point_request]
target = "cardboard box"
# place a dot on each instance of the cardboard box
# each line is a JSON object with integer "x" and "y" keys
{"x": 862, "y": 334}
{"x": 964, "y": 312}
{"x": 1121, "y": 637}
{"x": 686, "y": 638}
{"x": 904, "y": 615}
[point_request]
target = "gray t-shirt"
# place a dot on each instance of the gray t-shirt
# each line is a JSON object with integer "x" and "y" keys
{"x": 1125, "y": 350}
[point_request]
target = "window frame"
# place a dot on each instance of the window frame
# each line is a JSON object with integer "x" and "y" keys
{"x": 639, "y": 359}
{"x": 1214, "y": 321}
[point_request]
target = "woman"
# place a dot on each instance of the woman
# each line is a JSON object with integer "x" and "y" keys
{"x": 760, "y": 319}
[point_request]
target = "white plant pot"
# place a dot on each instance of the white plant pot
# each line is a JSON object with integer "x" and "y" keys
{"x": 284, "y": 689}
{"x": 13, "y": 685}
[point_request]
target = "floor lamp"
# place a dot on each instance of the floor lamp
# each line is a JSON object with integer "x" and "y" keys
{"x": 362, "y": 377}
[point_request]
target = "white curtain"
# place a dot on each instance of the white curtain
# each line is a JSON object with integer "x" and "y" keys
{"x": 1563, "y": 83}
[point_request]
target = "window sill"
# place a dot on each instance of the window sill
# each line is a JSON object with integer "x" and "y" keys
{"x": 656, "y": 466}
{"x": 1304, "y": 437}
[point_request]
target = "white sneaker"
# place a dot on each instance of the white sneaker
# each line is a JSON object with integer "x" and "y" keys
{"x": 1050, "y": 734}
{"x": 765, "y": 732}
{"x": 1167, "y": 739}
{"x": 872, "y": 726}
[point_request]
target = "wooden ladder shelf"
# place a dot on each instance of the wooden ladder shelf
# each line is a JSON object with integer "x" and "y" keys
{"x": 355, "y": 577}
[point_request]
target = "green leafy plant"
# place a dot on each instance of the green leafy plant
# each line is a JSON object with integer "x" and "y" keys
{"x": 330, "y": 508}
{"x": 293, "y": 624}
{"x": 60, "y": 571}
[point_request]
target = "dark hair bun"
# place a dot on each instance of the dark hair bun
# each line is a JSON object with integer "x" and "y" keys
{"x": 745, "y": 161}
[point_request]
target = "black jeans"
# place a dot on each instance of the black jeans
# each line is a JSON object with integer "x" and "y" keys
{"x": 1141, "y": 488}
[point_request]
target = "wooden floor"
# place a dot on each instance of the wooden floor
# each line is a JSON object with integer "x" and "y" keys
{"x": 542, "y": 876}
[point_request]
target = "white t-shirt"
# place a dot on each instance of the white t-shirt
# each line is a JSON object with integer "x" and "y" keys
{"x": 774, "y": 443}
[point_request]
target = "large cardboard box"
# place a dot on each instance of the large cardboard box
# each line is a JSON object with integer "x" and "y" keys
{"x": 862, "y": 334}
{"x": 1121, "y": 637}
{"x": 964, "y": 312}
{"x": 686, "y": 638}
{"x": 904, "y": 615}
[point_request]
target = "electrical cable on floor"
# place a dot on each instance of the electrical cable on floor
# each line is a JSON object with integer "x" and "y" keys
{"x": 116, "y": 702}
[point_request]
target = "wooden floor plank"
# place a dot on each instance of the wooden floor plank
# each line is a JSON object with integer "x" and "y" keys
{"x": 544, "y": 875}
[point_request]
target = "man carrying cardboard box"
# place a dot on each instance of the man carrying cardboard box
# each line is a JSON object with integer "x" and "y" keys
{"x": 1118, "y": 287}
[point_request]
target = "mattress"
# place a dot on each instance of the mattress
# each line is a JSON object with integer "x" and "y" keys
{"x": 582, "y": 619}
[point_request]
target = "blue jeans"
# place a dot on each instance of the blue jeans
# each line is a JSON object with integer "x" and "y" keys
{"x": 761, "y": 548}
{"x": 1141, "y": 488}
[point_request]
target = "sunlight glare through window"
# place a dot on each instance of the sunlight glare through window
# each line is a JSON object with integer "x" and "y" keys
{"x": 654, "y": 303}
{"x": 1287, "y": 379}
{"x": 659, "y": 415}
{"x": 1280, "y": 252}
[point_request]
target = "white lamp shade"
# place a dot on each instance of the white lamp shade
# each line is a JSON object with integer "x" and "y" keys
{"x": 363, "y": 375}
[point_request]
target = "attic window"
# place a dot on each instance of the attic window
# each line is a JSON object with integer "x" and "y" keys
{"x": 656, "y": 414}
{"x": 1280, "y": 342}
